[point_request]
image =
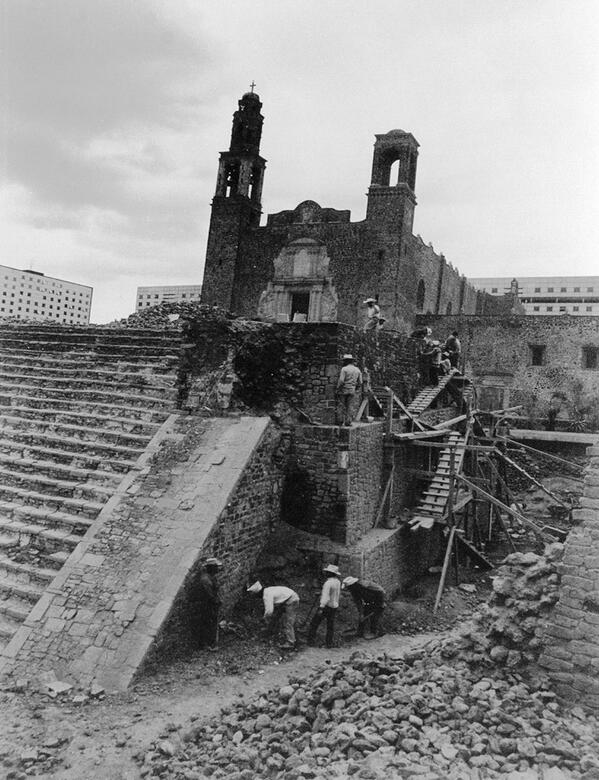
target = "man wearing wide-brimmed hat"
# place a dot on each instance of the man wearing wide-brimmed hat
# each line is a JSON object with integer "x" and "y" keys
{"x": 329, "y": 604}
{"x": 348, "y": 384}
{"x": 279, "y": 600}
{"x": 373, "y": 314}
{"x": 208, "y": 604}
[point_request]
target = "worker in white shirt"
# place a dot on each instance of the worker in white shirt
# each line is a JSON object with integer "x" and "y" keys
{"x": 329, "y": 604}
{"x": 279, "y": 601}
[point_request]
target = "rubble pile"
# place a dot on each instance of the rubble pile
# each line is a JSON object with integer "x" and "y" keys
{"x": 508, "y": 629}
{"x": 419, "y": 716}
{"x": 169, "y": 313}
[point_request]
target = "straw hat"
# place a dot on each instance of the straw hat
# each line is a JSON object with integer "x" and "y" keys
{"x": 370, "y": 300}
{"x": 255, "y": 588}
{"x": 349, "y": 581}
{"x": 332, "y": 569}
{"x": 213, "y": 562}
{"x": 347, "y": 356}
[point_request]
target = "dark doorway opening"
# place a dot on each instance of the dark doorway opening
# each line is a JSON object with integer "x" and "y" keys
{"x": 300, "y": 304}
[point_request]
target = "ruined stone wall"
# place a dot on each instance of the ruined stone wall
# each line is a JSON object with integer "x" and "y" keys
{"x": 503, "y": 345}
{"x": 571, "y": 639}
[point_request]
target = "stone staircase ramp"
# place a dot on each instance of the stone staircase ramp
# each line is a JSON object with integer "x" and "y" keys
{"x": 78, "y": 407}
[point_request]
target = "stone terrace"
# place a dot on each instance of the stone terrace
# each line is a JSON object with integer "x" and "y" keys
{"x": 78, "y": 407}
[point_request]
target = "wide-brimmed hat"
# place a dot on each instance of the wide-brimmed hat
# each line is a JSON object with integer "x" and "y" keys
{"x": 213, "y": 562}
{"x": 370, "y": 300}
{"x": 347, "y": 356}
{"x": 348, "y": 581}
{"x": 255, "y": 588}
{"x": 330, "y": 567}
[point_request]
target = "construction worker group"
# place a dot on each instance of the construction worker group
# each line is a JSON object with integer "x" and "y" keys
{"x": 281, "y": 606}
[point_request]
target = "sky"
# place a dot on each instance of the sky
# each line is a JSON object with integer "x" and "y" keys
{"x": 114, "y": 112}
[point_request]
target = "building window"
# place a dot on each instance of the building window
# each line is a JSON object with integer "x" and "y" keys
{"x": 589, "y": 308}
{"x": 448, "y": 308}
{"x": 550, "y": 289}
{"x": 537, "y": 289}
{"x": 550, "y": 308}
{"x": 590, "y": 289}
{"x": 563, "y": 289}
{"x": 575, "y": 308}
{"x": 537, "y": 354}
{"x": 577, "y": 289}
{"x": 493, "y": 290}
{"x": 420, "y": 294}
{"x": 562, "y": 308}
{"x": 536, "y": 308}
{"x": 590, "y": 357}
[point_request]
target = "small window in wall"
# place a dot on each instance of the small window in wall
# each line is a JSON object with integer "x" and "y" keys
{"x": 493, "y": 290}
{"x": 589, "y": 308}
{"x": 563, "y": 289}
{"x": 550, "y": 308}
{"x": 420, "y": 293}
{"x": 537, "y": 354}
{"x": 562, "y": 308}
{"x": 537, "y": 289}
{"x": 536, "y": 308}
{"x": 550, "y": 289}
{"x": 577, "y": 289}
{"x": 590, "y": 289}
{"x": 590, "y": 357}
{"x": 448, "y": 308}
{"x": 575, "y": 308}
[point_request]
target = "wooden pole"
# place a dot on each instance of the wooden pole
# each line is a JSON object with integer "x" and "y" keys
{"x": 444, "y": 569}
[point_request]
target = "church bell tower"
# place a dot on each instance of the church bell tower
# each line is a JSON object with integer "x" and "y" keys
{"x": 236, "y": 206}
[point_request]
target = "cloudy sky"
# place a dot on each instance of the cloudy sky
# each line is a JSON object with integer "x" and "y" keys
{"x": 114, "y": 112}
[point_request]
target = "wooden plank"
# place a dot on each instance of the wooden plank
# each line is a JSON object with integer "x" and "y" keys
{"x": 540, "y": 452}
{"x": 449, "y": 423}
{"x": 363, "y": 406}
{"x": 419, "y": 435}
{"x": 405, "y": 410}
{"x": 473, "y": 553}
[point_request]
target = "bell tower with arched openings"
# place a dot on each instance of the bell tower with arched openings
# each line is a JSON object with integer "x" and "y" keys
{"x": 236, "y": 206}
{"x": 393, "y": 201}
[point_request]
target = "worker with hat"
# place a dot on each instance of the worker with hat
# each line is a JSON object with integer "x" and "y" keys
{"x": 208, "y": 603}
{"x": 348, "y": 384}
{"x": 373, "y": 314}
{"x": 329, "y": 604}
{"x": 279, "y": 602}
{"x": 369, "y": 599}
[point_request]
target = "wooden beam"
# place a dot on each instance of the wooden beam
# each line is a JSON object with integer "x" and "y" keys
{"x": 379, "y": 513}
{"x": 540, "y": 452}
{"x": 453, "y": 421}
{"x": 501, "y": 505}
{"x": 405, "y": 410}
{"x": 446, "y": 561}
{"x": 420, "y": 435}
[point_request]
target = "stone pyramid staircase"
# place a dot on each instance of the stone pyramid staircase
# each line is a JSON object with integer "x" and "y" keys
{"x": 78, "y": 406}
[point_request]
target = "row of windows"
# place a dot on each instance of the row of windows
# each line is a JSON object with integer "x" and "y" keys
{"x": 56, "y": 315}
{"x": 495, "y": 290}
{"x": 538, "y": 356}
{"x": 562, "y": 309}
{"x": 45, "y": 286}
{"x": 183, "y": 295}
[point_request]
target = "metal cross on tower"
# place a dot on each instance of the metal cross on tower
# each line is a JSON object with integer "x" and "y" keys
{"x": 252, "y": 85}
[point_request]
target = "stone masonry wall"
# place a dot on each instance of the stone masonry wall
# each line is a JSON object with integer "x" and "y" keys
{"x": 333, "y": 487}
{"x": 571, "y": 640}
{"x": 101, "y": 615}
{"x": 493, "y": 345}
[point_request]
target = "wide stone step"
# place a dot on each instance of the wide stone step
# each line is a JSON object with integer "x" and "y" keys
{"x": 141, "y": 386}
{"x": 57, "y": 488}
{"x": 35, "y": 516}
{"x": 28, "y": 594}
{"x": 48, "y": 468}
{"x": 72, "y": 506}
{"x": 71, "y": 454}
{"x": 107, "y": 422}
{"x": 90, "y": 340}
{"x": 153, "y": 415}
{"x": 25, "y": 573}
{"x": 124, "y": 397}
{"x": 11, "y": 423}
{"x": 75, "y": 370}
{"x": 14, "y": 609}
{"x": 46, "y": 540}
{"x": 87, "y": 360}
{"x": 8, "y": 628}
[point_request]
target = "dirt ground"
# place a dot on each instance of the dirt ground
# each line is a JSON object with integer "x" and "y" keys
{"x": 75, "y": 736}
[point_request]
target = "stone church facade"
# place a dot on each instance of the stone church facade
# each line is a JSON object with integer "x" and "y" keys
{"x": 315, "y": 264}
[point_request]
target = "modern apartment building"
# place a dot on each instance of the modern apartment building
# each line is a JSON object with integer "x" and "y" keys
{"x": 576, "y": 295}
{"x": 30, "y": 295}
{"x": 152, "y": 296}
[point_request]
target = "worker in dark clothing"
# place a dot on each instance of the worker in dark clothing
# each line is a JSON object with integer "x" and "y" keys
{"x": 208, "y": 604}
{"x": 369, "y": 599}
{"x": 453, "y": 348}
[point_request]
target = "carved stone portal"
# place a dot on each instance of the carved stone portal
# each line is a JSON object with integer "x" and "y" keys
{"x": 301, "y": 290}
